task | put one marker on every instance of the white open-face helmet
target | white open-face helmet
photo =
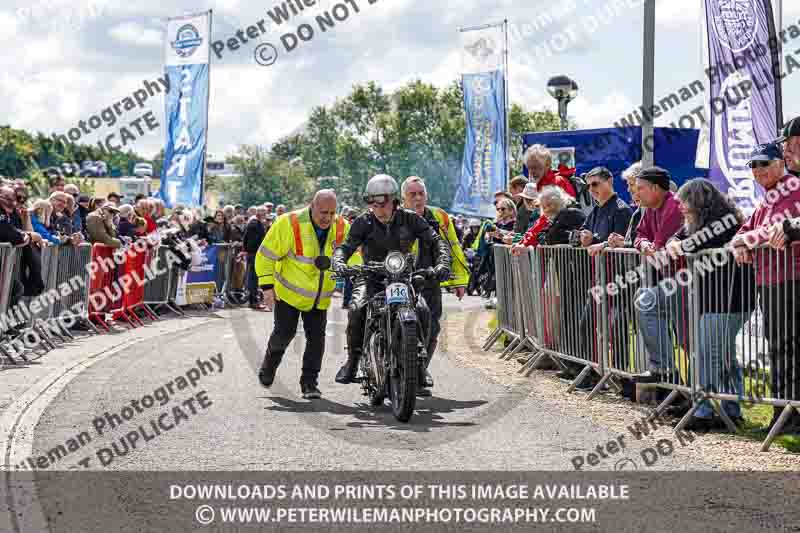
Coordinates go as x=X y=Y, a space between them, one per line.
x=381 y=185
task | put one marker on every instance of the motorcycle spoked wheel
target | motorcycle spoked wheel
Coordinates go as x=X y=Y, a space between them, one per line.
x=403 y=382
x=375 y=392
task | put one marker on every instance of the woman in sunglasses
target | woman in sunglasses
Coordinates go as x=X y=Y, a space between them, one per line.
x=504 y=223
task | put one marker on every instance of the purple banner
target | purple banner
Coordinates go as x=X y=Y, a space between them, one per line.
x=745 y=82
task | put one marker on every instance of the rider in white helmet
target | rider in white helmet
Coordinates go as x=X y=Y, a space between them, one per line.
x=384 y=228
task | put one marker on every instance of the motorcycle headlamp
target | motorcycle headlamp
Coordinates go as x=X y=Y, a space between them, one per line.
x=395 y=263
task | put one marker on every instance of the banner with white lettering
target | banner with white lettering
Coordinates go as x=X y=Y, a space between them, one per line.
x=186 y=65
x=745 y=76
x=484 y=165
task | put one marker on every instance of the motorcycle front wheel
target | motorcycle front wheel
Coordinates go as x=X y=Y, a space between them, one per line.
x=403 y=383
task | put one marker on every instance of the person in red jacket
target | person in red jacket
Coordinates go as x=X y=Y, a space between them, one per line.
x=539 y=163
x=143 y=210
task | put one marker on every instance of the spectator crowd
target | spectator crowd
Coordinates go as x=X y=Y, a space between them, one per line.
x=665 y=223
x=548 y=207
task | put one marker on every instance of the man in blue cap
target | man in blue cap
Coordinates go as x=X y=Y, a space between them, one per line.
x=777 y=274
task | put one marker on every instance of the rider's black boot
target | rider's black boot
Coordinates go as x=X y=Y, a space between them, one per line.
x=347 y=374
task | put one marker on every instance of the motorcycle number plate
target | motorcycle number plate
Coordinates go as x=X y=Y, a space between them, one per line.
x=397 y=293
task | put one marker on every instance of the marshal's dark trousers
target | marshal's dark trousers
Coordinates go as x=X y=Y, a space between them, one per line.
x=314 y=322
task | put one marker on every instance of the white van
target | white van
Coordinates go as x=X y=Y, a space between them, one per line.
x=143 y=169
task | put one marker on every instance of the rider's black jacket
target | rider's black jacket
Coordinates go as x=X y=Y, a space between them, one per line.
x=378 y=239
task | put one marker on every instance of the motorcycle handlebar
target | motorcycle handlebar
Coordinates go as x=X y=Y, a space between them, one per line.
x=377 y=268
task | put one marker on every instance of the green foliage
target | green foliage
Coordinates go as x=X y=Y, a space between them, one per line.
x=266 y=178
x=26 y=156
x=418 y=130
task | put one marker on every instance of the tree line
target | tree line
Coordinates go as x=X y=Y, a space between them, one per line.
x=417 y=130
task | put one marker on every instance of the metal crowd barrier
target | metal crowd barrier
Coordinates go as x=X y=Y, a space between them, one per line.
x=72 y=269
x=747 y=324
x=76 y=290
x=160 y=288
x=224 y=260
x=235 y=275
x=105 y=298
x=699 y=325
x=507 y=323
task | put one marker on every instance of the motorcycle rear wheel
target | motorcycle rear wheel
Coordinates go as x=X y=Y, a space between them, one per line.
x=403 y=383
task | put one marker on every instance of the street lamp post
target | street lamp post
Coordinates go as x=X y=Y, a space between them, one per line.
x=564 y=90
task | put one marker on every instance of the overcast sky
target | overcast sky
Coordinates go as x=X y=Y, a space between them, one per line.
x=65 y=60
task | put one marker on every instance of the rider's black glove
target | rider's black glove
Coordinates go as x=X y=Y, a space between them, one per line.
x=442 y=273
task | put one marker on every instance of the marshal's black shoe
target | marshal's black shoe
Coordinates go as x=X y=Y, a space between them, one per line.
x=267 y=373
x=310 y=392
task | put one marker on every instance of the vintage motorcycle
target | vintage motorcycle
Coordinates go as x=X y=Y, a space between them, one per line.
x=395 y=337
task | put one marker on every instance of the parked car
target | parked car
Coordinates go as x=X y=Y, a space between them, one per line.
x=52 y=172
x=141 y=170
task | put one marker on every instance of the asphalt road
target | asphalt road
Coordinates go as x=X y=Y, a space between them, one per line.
x=470 y=423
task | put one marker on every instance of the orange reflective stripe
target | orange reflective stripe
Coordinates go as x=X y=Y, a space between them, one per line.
x=298 y=239
x=339 y=230
x=446 y=218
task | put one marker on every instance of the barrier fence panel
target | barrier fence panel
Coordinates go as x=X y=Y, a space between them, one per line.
x=518 y=269
x=664 y=324
x=8 y=261
x=224 y=257
x=235 y=276
x=524 y=268
x=41 y=315
x=722 y=298
x=504 y=297
x=534 y=313
x=73 y=272
x=132 y=281
x=105 y=296
x=621 y=276
x=157 y=288
x=30 y=274
x=571 y=325
x=747 y=327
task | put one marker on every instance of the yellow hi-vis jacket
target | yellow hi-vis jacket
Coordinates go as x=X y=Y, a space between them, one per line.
x=286 y=260
x=459 y=269
x=477 y=242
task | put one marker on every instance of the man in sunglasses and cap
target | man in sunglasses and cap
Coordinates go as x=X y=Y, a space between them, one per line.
x=384 y=228
x=777 y=273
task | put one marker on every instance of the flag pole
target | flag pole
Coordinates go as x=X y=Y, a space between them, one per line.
x=507 y=121
x=208 y=103
x=648 y=81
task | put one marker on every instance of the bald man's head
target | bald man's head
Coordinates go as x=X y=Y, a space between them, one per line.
x=323 y=208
